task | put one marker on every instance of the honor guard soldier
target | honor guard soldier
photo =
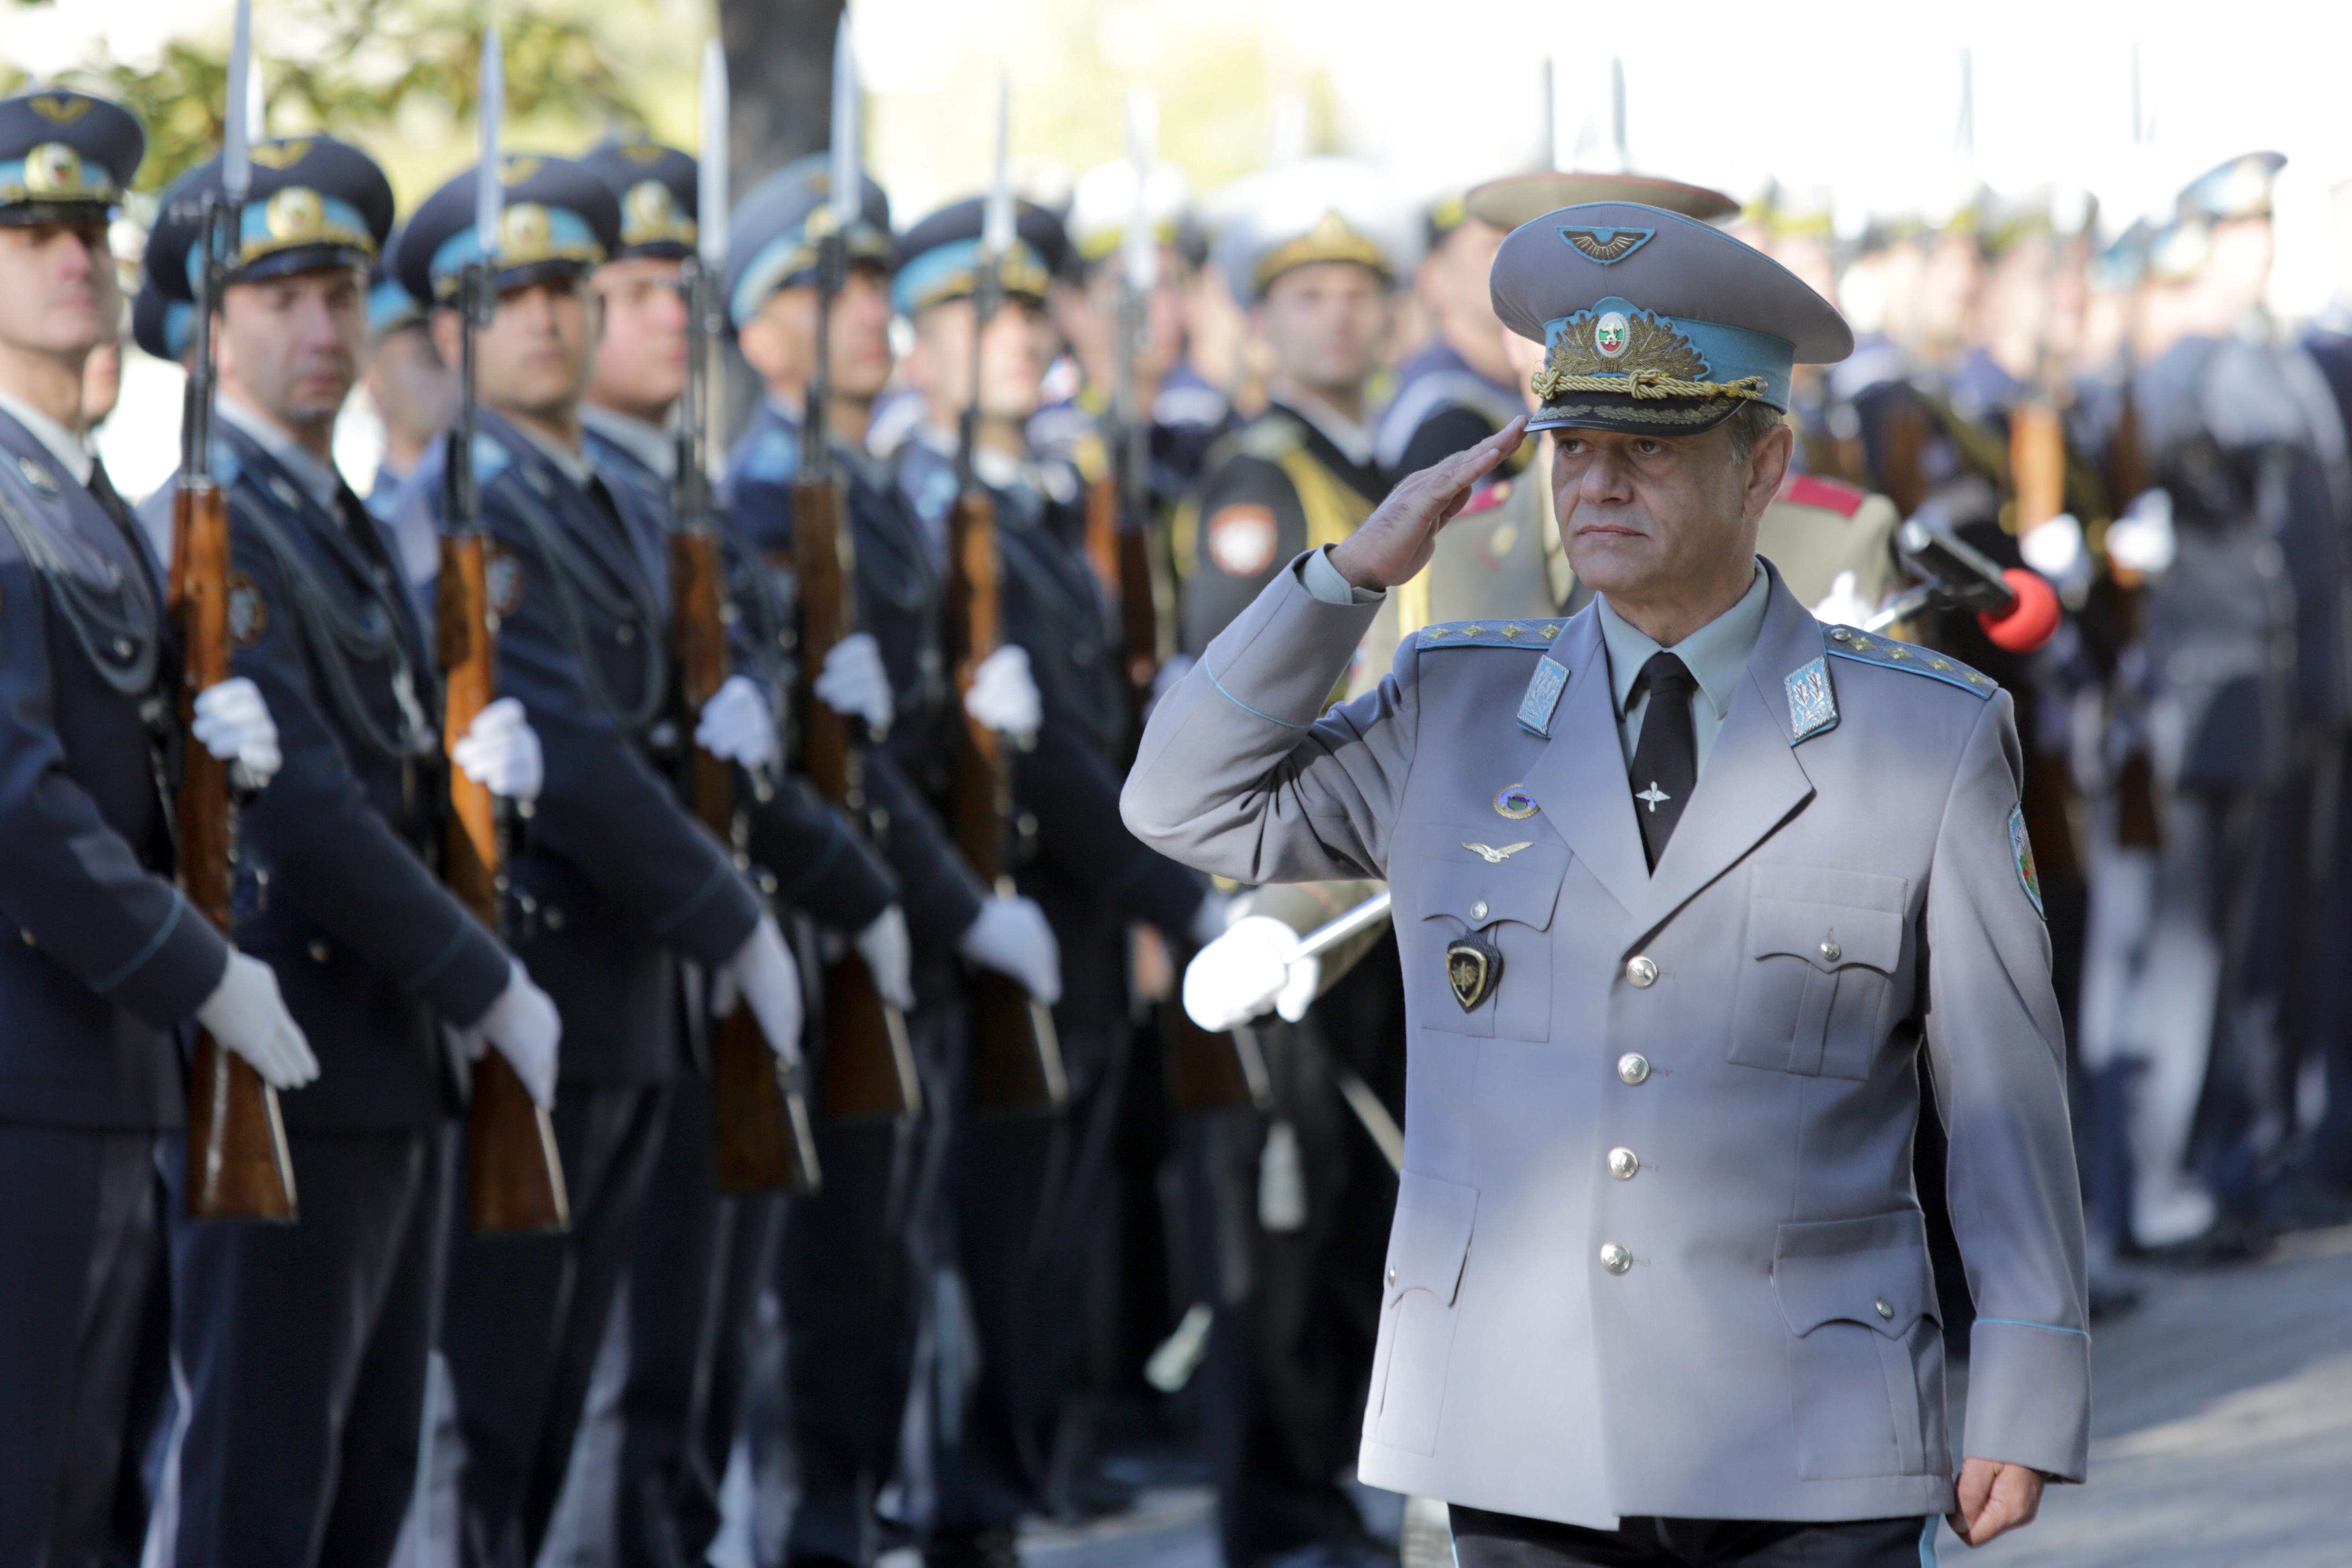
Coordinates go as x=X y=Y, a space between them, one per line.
x=617 y=881
x=1459 y=390
x=848 y=1269
x=1312 y=258
x=413 y=390
x=1020 y=1179
x=113 y=959
x=304 y=1346
x=696 y=1280
x=1665 y=1294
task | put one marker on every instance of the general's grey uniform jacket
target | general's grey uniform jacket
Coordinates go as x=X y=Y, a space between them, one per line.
x=1847 y=882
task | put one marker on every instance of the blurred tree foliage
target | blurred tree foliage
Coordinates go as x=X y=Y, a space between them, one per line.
x=358 y=65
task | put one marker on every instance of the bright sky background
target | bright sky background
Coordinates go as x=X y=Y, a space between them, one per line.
x=1863 y=97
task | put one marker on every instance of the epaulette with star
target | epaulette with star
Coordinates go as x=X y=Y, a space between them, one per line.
x=1870 y=648
x=1489 y=634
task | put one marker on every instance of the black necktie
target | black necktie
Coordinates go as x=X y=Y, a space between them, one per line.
x=126 y=523
x=1666 y=759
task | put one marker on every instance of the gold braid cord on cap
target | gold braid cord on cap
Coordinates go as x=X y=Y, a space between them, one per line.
x=1656 y=362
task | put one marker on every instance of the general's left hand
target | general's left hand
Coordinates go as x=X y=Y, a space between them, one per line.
x=1994 y=1498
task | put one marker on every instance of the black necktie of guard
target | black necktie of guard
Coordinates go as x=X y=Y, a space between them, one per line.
x=1666 y=759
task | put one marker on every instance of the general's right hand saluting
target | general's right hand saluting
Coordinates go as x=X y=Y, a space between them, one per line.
x=1397 y=540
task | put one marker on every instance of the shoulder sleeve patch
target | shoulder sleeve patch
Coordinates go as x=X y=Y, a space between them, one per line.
x=2021 y=850
x=1812 y=490
x=1535 y=634
x=1868 y=648
x=1242 y=539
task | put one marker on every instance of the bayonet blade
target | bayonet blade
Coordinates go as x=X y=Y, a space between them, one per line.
x=848 y=182
x=237 y=129
x=996 y=223
x=1142 y=152
x=711 y=173
x=490 y=181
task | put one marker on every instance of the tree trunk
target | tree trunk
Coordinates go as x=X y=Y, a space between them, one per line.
x=780 y=81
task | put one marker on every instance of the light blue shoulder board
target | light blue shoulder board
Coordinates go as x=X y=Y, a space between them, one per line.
x=1869 y=648
x=1489 y=634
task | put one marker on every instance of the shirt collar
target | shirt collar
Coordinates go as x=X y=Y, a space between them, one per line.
x=1715 y=654
x=72 y=457
x=650 y=444
x=319 y=480
x=571 y=463
x=1356 y=442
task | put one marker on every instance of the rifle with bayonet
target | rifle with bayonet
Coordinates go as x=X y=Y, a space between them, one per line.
x=514 y=1176
x=869 y=1063
x=762 y=1138
x=238 y=1162
x=1016 y=1058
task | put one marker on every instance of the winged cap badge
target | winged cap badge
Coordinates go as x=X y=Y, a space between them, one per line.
x=1607 y=247
x=1494 y=856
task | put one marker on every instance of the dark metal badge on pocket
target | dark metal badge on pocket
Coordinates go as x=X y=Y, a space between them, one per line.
x=1473 y=966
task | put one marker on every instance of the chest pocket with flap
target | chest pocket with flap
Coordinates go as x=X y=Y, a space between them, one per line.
x=1509 y=902
x=1824 y=951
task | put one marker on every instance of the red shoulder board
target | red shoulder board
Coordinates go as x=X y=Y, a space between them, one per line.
x=1812 y=490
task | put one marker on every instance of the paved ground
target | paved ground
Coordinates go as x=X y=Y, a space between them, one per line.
x=2222 y=1438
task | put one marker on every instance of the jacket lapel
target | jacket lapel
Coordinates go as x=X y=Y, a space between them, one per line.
x=1753 y=781
x=1579 y=779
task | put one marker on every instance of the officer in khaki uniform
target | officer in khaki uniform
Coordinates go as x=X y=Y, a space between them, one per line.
x=1658 y=1288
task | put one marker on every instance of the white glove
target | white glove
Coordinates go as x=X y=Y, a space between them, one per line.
x=739 y=726
x=247 y=1014
x=853 y=683
x=1010 y=936
x=1003 y=694
x=499 y=751
x=889 y=956
x=762 y=974
x=232 y=723
x=525 y=1027
x=1243 y=973
x=2054 y=548
x=1209 y=921
x=2141 y=540
x=1843 y=605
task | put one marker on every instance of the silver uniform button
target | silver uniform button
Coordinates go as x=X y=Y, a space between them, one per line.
x=1615 y=1259
x=1622 y=1163
x=1478 y=910
x=1392 y=1276
x=1634 y=1067
x=319 y=951
x=1885 y=1309
x=1832 y=951
x=1641 y=971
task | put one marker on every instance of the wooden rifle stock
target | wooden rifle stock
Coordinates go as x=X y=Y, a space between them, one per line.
x=1016 y=1058
x=514 y=1176
x=764 y=1143
x=237 y=1163
x=869 y=1062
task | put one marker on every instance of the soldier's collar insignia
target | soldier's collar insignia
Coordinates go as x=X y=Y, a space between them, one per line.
x=60 y=109
x=38 y=478
x=1541 y=698
x=1607 y=247
x=1812 y=701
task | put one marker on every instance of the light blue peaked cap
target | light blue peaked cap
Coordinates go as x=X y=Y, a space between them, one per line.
x=1656 y=323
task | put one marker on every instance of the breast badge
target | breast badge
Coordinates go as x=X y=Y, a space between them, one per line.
x=249 y=614
x=1473 y=966
x=1515 y=801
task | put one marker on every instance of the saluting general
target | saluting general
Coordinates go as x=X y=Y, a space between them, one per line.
x=1658 y=1289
